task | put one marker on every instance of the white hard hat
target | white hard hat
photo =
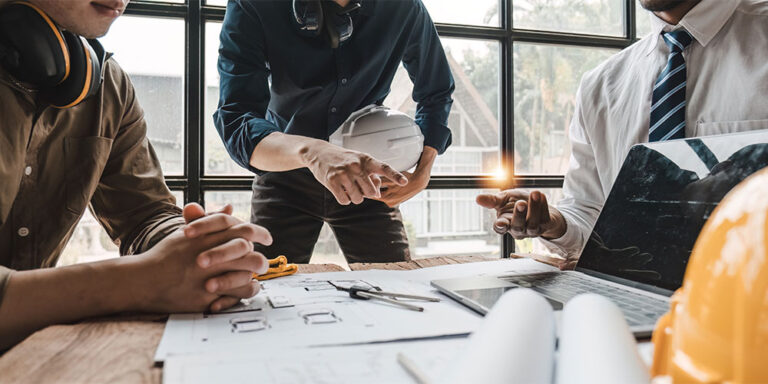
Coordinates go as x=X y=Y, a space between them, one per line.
x=387 y=135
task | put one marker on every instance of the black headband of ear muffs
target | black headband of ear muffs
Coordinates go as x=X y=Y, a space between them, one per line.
x=66 y=68
x=35 y=47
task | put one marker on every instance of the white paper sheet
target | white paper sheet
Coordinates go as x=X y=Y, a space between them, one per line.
x=371 y=364
x=284 y=324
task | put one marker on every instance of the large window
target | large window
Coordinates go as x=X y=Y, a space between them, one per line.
x=517 y=64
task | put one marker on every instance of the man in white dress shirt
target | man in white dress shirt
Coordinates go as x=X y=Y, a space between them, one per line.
x=702 y=71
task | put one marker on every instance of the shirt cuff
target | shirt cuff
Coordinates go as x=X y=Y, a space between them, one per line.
x=257 y=131
x=569 y=245
x=5 y=275
x=160 y=231
x=436 y=135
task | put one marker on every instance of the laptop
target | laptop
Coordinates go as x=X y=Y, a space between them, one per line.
x=640 y=245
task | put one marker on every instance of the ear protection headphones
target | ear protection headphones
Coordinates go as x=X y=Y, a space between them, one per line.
x=312 y=17
x=66 y=68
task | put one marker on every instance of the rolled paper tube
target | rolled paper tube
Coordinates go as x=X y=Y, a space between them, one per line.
x=596 y=345
x=514 y=344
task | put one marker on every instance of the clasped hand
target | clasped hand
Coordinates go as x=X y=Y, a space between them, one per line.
x=208 y=265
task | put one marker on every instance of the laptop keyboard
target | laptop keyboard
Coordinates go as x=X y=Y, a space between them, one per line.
x=638 y=309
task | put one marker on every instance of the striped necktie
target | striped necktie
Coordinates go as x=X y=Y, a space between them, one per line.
x=668 y=107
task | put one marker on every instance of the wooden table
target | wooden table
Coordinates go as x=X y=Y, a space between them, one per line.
x=121 y=348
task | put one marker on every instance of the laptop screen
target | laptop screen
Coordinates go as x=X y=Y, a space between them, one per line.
x=659 y=202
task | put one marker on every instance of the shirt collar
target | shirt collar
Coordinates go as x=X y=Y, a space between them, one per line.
x=703 y=21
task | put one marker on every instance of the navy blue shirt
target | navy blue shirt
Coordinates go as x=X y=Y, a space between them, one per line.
x=314 y=87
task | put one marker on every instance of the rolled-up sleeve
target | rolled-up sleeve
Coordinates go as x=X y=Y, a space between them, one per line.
x=244 y=86
x=5 y=275
x=132 y=201
x=583 y=195
x=433 y=83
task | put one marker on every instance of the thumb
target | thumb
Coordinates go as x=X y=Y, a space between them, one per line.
x=227 y=210
x=192 y=212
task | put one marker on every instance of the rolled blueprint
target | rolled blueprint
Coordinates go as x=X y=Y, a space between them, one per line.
x=596 y=345
x=514 y=344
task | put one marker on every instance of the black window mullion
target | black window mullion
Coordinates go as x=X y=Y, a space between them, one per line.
x=630 y=8
x=194 y=105
x=507 y=136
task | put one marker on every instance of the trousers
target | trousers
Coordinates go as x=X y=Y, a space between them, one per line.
x=293 y=206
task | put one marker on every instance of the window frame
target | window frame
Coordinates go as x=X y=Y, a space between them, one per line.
x=194 y=182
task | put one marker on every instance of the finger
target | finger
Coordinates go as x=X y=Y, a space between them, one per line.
x=210 y=224
x=192 y=212
x=338 y=190
x=487 y=200
x=245 y=291
x=253 y=262
x=534 y=217
x=503 y=200
x=353 y=191
x=367 y=187
x=232 y=249
x=223 y=303
x=501 y=225
x=546 y=218
x=383 y=169
x=247 y=231
x=228 y=281
x=517 y=224
x=377 y=182
x=504 y=221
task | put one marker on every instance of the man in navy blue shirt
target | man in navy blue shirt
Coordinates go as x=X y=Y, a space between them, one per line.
x=291 y=73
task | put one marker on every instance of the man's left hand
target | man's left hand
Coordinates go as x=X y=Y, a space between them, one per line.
x=393 y=194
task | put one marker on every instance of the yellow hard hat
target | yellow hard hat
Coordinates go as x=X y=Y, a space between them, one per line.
x=717 y=327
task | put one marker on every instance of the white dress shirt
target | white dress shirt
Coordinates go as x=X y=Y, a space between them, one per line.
x=726 y=91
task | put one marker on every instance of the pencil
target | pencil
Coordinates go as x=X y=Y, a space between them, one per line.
x=412 y=369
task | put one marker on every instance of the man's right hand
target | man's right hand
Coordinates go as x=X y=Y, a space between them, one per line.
x=208 y=272
x=350 y=176
x=524 y=214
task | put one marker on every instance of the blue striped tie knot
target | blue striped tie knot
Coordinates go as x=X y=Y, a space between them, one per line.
x=668 y=102
x=678 y=40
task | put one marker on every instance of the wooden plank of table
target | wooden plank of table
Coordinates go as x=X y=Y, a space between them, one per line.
x=419 y=263
x=110 y=349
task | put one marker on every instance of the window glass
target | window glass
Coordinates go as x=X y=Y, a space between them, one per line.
x=448 y=222
x=217 y=160
x=151 y=51
x=643 y=21
x=475 y=12
x=593 y=17
x=90 y=241
x=546 y=78
x=240 y=201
